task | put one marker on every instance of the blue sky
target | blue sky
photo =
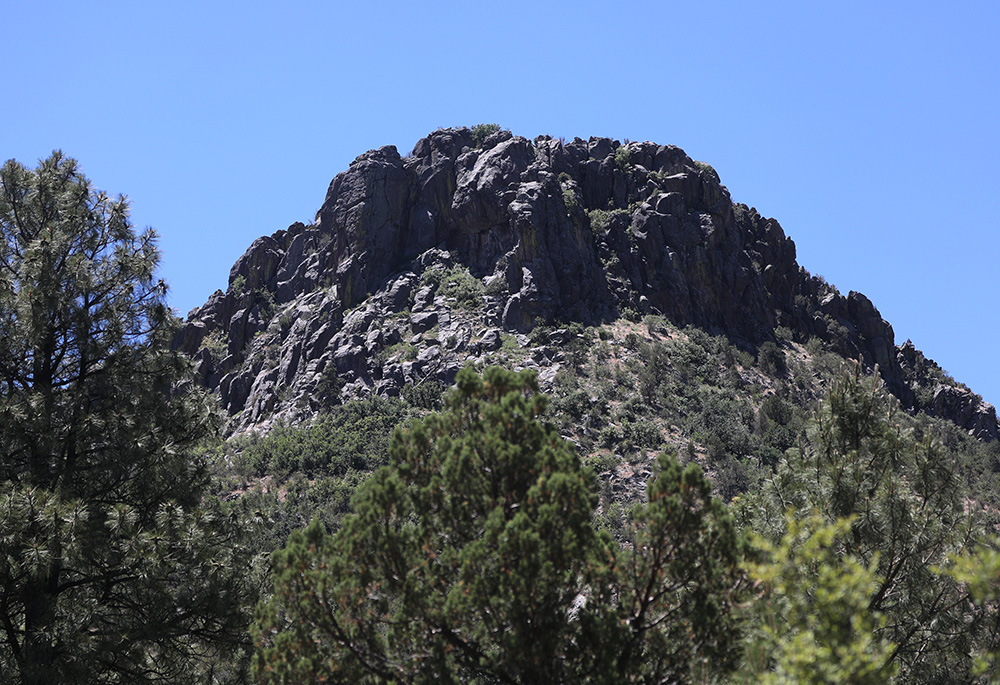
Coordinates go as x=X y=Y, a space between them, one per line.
x=869 y=130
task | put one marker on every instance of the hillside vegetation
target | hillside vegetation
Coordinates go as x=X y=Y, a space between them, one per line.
x=508 y=411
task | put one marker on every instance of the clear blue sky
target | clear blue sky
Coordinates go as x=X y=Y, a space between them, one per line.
x=869 y=130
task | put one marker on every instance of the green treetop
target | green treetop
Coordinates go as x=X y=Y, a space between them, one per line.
x=472 y=557
x=814 y=623
x=907 y=515
x=110 y=570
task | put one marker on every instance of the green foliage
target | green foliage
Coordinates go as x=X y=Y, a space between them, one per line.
x=602 y=463
x=707 y=168
x=113 y=568
x=508 y=343
x=426 y=395
x=623 y=158
x=779 y=424
x=657 y=325
x=473 y=557
x=907 y=512
x=679 y=580
x=652 y=371
x=979 y=570
x=469 y=543
x=497 y=285
x=815 y=621
x=456 y=282
x=216 y=344
x=264 y=299
x=351 y=437
x=642 y=433
x=570 y=199
x=287 y=506
x=695 y=358
x=480 y=132
x=630 y=314
x=329 y=386
x=771 y=359
x=575 y=403
x=611 y=437
x=402 y=349
x=727 y=419
x=600 y=219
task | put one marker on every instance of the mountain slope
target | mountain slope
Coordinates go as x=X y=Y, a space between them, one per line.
x=453 y=254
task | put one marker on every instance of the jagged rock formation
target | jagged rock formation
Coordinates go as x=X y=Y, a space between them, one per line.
x=417 y=265
x=939 y=395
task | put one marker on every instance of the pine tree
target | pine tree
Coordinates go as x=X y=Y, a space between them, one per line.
x=473 y=557
x=111 y=570
x=907 y=511
x=814 y=622
x=979 y=570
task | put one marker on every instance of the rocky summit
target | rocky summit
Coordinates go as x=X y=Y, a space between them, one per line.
x=418 y=265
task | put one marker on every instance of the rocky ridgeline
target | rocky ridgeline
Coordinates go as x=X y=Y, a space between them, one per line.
x=416 y=266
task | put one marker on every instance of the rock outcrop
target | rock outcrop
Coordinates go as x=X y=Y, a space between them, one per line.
x=416 y=265
x=939 y=395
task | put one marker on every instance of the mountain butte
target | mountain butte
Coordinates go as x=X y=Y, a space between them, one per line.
x=418 y=265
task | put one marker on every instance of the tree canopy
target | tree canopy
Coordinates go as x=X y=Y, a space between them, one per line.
x=813 y=615
x=111 y=568
x=907 y=514
x=473 y=557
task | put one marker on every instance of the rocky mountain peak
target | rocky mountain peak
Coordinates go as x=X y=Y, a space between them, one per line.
x=416 y=265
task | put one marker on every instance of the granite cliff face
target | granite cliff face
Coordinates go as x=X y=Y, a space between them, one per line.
x=418 y=265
